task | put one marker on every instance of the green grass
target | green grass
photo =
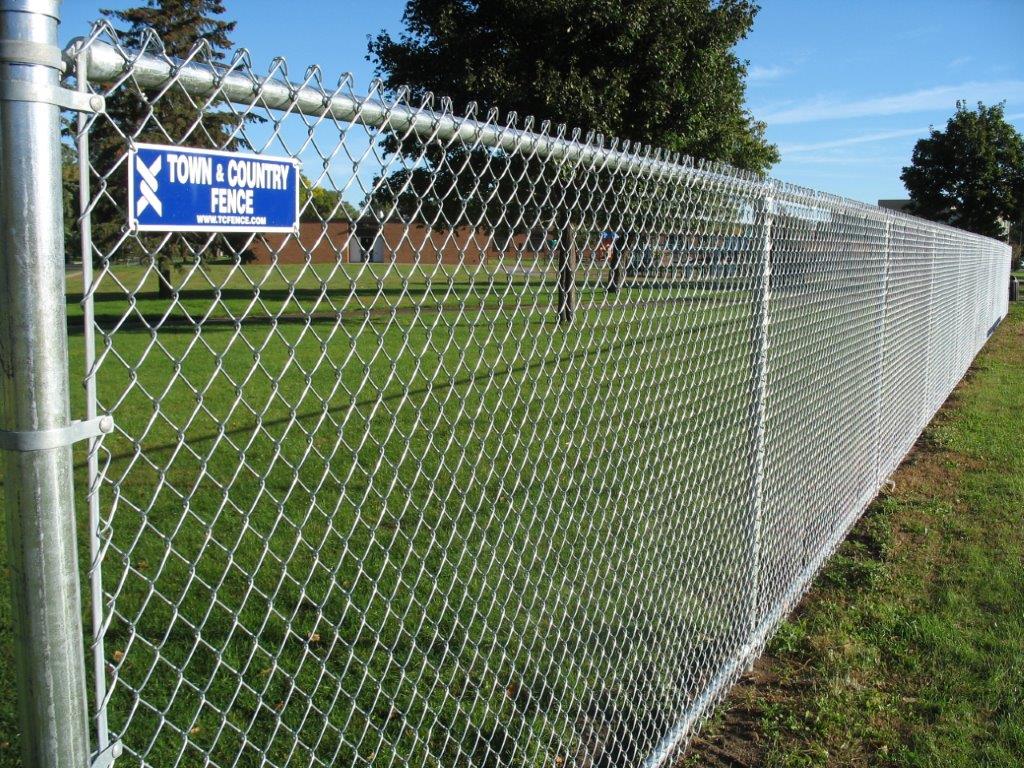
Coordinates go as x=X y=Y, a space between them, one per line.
x=910 y=649
x=289 y=291
x=402 y=515
x=318 y=519
x=228 y=290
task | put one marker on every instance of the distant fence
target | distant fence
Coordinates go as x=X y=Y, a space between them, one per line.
x=535 y=494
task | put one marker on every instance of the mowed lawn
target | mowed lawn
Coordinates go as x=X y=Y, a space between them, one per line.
x=909 y=651
x=352 y=516
x=127 y=295
x=221 y=291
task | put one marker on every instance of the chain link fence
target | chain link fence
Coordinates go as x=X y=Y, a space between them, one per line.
x=514 y=454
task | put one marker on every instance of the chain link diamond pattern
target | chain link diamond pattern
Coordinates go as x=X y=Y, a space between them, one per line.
x=515 y=456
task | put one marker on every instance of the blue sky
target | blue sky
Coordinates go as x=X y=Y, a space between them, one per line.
x=846 y=86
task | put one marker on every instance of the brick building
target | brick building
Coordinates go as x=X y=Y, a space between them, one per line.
x=326 y=242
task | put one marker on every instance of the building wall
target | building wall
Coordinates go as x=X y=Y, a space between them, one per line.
x=321 y=243
x=317 y=242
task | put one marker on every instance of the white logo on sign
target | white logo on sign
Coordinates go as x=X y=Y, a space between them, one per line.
x=149 y=185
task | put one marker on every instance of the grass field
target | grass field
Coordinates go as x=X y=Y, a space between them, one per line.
x=320 y=519
x=227 y=290
x=127 y=295
x=910 y=649
x=375 y=513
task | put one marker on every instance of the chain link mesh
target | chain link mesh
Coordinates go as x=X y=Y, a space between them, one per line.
x=515 y=455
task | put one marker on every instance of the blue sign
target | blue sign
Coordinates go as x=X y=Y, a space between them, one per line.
x=184 y=189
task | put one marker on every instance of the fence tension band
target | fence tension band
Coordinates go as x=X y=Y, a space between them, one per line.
x=44 y=439
x=27 y=52
x=49 y=8
x=76 y=101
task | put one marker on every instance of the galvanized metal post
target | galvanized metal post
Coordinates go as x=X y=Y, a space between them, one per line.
x=759 y=377
x=38 y=492
x=929 y=347
x=880 y=330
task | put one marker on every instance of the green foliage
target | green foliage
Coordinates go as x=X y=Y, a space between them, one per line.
x=179 y=23
x=69 y=202
x=970 y=175
x=321 y=204
x=661 y=72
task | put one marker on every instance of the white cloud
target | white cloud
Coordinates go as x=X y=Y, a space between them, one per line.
x=842 y=159
x=942 y=97
x=759 y=74
x=799 y=152
x=864 y=138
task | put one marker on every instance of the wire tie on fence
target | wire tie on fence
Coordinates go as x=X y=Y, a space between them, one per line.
x=44 y=439
x=49 y=8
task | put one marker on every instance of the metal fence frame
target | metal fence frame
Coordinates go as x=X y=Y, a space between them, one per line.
x=37 y=431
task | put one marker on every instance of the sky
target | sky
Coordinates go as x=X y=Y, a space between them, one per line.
x=846 y=87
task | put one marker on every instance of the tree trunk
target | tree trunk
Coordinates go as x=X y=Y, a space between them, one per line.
x=166 y=291
x=566 y=275
x=615 y=264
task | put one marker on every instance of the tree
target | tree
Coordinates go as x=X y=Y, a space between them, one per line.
x=69 y=202
x=659 y=72
x=171 y=117
x=318 y=203
x=971 y=175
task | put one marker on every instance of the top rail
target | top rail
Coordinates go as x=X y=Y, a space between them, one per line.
x=105 y=63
